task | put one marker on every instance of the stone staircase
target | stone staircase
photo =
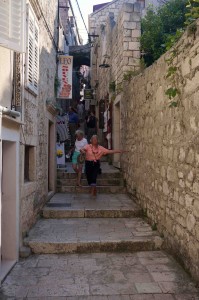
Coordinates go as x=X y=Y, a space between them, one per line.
x=76 y=223
x=107 y=182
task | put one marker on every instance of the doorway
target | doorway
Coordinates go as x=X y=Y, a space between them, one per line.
x=9 y=208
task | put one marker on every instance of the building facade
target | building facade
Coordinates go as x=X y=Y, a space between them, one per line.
x=115 y=30
x=27 y=140
x=32 y=35
x=161 y=165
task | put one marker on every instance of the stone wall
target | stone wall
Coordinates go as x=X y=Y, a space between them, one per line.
x=99 y=18
x=161 y=168
x=37 y=120
x=117 y=46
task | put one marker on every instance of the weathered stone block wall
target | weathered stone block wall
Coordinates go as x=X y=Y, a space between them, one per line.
x=36 y=119
x=117 y=46
x=161 y=168
x=99 y=18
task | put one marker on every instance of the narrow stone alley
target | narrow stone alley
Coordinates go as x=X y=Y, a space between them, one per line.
x=99 y=150
x=103 y=248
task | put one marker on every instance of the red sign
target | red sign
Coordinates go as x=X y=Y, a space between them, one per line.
x=65 y=71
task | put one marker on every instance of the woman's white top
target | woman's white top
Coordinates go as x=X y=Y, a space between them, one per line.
x=80 y=144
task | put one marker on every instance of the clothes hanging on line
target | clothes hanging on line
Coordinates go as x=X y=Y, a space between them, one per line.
x=63 y=128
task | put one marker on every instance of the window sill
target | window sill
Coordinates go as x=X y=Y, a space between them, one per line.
x=31 y=92
x=12 y=120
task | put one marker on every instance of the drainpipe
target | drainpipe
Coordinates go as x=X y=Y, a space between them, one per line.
x=9 y=112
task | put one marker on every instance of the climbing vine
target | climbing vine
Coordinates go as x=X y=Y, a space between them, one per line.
x=172 y=72
x=127 y=76
x=193 y=11
x=172 y=91
x=57 y=84
x=112 y=86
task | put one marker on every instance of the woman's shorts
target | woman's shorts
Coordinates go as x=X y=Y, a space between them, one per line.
x=74 y=157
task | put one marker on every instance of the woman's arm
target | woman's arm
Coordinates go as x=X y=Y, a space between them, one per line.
x=107 y=151
x=84 y=149
x=114 y=151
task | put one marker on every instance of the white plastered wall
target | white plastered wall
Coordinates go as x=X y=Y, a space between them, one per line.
x=9 y=169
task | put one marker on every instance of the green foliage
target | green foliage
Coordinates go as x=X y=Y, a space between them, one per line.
x=192 y=11
x=171 y=39
x=173 y=104
x=119 y=88
x=171 y=71
x=129 y=74
x=57 y=84
x=172 y=92
x=161 y=28
x=112 y=86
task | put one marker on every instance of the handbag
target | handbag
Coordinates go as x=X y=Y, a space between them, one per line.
x=81 y=158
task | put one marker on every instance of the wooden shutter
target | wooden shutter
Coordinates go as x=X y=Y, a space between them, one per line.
x=32 y=64
x=12 y=24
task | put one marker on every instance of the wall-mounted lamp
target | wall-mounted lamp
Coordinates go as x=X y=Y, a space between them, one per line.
x=92 y=36
x=106 y=56
x=104 y=66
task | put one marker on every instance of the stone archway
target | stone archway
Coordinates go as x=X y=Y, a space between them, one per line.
x=81 y=55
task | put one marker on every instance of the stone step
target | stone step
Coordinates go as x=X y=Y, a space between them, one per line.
x=100 y=182
x=85 y=189
x=67 y=175
x=83 y=206
x=84 y=235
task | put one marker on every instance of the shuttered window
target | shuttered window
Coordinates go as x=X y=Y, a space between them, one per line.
x=12 y=24
x=32 y=65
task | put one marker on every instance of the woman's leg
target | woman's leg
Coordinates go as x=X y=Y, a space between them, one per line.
x=91 y=169
x=95 y=171
x=75 y=168
x=88 y=171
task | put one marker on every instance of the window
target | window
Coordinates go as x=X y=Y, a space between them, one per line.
x=32 y=65
x=29 y=163
x=12 y=23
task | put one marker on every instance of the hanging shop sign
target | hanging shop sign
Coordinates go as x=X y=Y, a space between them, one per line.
x=88 y=94
x=65 y=75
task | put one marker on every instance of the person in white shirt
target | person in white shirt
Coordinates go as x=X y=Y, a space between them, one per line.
x=80 y=143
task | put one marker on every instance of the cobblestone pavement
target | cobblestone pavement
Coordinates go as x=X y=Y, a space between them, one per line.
x=150 y=275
